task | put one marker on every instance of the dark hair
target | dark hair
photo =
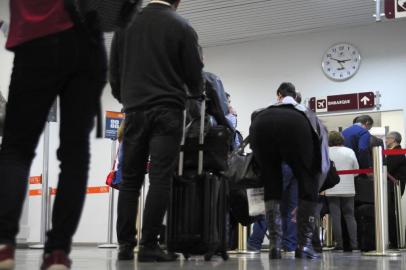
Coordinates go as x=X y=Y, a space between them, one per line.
x=298 y=97
x=365 y=120
x=396 y=136
x=286 y=89
x=335 y=138
x=355 y=120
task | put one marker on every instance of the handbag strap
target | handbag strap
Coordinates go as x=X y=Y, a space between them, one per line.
x=242 y=146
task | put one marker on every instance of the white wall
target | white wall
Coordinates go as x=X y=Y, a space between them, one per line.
x=251 y=72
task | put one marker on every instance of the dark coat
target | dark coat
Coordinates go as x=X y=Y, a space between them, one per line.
x=397 y=168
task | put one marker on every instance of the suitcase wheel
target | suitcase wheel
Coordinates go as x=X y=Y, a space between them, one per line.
x=186 y=256
x=225 y=256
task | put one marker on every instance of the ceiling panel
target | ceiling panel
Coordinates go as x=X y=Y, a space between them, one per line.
x=221 y=22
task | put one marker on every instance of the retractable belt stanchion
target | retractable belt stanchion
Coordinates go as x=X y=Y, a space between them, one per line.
x=140 y=216
x=399 y=221
x=380 y=197
x=109 y=243
x=242 y=242
x=45 y=194
x=328 y=241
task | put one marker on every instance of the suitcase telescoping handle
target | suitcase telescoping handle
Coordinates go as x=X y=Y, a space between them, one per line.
x=201 y=137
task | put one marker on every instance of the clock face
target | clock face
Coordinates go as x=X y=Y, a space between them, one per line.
x=341 y=62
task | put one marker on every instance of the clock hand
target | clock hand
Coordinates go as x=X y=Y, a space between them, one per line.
x=340 y=61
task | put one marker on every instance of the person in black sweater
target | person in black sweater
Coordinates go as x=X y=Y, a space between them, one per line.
x=397 y=171
x=155 y=64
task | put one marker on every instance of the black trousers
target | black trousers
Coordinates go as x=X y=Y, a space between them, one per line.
x=284 y=135
x=73 y=67
x=157 y=133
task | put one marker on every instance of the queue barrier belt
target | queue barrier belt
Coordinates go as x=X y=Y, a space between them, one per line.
x=394 y=152
x=362 y=171
x=90 y=190
x=105 y=189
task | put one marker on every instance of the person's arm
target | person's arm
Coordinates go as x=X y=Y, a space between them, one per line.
x=115 y=65
x=364 y=155
x=192 y=62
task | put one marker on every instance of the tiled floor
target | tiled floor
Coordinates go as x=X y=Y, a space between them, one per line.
x=93 y=258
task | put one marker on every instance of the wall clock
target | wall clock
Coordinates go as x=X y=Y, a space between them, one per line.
x=341 y=62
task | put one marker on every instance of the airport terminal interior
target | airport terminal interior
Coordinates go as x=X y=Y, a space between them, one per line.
x=346 y=58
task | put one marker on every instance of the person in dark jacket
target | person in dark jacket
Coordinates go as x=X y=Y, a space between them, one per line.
x=288 y=132
x=397 y=169
x=155 y=63
x=358 y=138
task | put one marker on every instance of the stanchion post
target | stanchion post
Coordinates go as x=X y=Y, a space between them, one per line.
x=242 y=242
x=45 y=211
x=109 y=243
x=328 y=243
x=399 y=220
x=380 y=196
x=140 y=216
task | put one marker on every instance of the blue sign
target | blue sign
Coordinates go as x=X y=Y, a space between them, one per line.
x=113 y=122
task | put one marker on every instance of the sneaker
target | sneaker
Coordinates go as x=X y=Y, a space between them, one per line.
x=155 y=254
x=57 y=260
x=126 y=252
x=7 y=257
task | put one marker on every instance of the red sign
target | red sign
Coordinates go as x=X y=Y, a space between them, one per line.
x=395 y=9
x=366 y=100
x=343 y=102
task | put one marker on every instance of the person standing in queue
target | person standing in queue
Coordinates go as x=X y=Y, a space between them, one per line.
x=53 y=57
x=397 y=171
x=288 y=133
x=154 y=63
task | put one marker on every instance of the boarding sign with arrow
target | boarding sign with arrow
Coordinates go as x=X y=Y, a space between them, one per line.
x=346 y=102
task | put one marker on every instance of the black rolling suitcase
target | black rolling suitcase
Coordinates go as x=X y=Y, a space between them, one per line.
x=198 y=212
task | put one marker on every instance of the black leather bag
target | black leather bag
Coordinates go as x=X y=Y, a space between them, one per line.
x=216 y=148
x=332 y=178
x=243 y=172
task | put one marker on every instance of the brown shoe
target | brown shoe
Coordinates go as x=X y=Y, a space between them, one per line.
x=57 y=260
x=7 y=257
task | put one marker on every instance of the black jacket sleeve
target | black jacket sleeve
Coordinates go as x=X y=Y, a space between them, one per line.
x=192 y=62
x=115 y=71
x=397 y=167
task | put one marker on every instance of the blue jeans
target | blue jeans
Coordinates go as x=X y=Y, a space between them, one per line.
x=288 y=204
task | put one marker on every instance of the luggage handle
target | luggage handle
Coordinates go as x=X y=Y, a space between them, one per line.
x=201 y=136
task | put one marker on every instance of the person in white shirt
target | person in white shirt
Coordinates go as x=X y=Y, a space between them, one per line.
x=341 y=197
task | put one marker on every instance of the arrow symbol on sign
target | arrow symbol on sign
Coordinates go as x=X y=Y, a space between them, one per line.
x=365 y=100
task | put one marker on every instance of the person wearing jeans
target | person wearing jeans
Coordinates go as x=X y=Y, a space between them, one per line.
x=61 y=61
x=288 y=206
x=151 y=64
